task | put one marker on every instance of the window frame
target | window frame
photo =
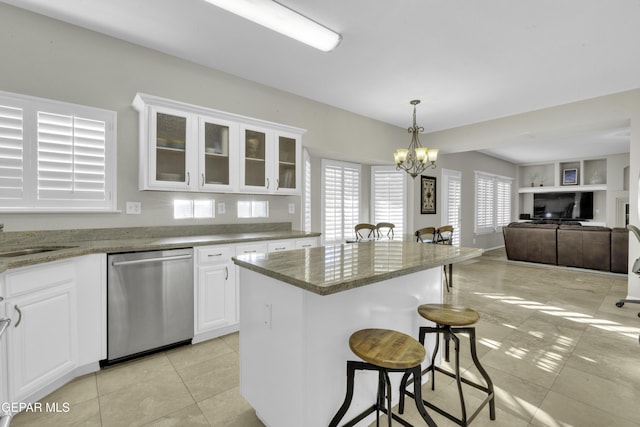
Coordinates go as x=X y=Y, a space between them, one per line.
x=30 y=201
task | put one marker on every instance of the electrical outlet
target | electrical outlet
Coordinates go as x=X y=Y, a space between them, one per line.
x=292 y=208
x=221 y=208
x=133 y=208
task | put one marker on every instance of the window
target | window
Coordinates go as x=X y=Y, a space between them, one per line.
x=388 y=190
x=306 y=192
x=493 y=202
x=55 y=156
x=253 y=209
x=452 y=201
x=340 y=200
x=183 y=209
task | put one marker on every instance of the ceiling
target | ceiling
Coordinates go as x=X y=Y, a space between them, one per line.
x=467 y=61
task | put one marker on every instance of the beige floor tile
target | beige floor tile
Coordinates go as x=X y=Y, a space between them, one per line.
x=596 y=392
x=145 y=401
x=561 y=411
x=185 y=356
x=78 y=390
x=211 y=377
x=233 y=340
x=191 y=416
x=85 y=413
x=229 y=409
x=133 y=372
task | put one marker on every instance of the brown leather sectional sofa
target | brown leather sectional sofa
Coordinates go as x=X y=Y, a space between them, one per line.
x=568 y=244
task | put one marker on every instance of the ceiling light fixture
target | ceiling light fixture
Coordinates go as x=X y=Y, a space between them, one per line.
x=416 y=158
x=286 y=21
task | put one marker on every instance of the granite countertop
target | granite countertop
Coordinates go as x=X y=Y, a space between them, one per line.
x=69 y=245
x=330 y=269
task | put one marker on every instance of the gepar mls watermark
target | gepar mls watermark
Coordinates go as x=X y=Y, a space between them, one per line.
x=14 y=407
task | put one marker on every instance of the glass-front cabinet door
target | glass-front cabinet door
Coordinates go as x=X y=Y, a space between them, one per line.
x=287 y=152
x=169 y=148
x=255 y=155
x=218 y=154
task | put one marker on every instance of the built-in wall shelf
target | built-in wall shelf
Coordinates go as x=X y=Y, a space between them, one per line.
x=563 y=188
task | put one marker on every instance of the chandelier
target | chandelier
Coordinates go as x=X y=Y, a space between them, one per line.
x=415 y=159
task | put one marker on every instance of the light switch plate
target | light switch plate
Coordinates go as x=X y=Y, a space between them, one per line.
x=292 y=208
x=133 y=208
x=221 y=208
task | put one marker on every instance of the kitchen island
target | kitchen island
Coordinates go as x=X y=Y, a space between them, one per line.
x=298 y=309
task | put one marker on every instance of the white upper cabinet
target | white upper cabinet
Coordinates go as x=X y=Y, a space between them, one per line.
x=184 y=147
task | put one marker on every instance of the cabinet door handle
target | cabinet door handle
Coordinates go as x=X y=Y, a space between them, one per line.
x=19 y=315
x=220 y=254
x=267 y=183
x=280 y=249
x=188 y=178
x=277 y=183
x=203 y=179
x=306 y=246
x=250 y=252
x=226 y=272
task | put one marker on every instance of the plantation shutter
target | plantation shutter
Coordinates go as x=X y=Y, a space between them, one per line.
x=452 y=202
x=484 y=203
x=341 y=200
x=56 y=156
x=307 y=191
x=503 y=202
x=493 y=202
x=11 y=152
x=71 y=158
x=388 y=189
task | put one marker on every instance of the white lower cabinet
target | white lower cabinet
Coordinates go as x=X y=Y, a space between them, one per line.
x=48 y=327
x=216 y=292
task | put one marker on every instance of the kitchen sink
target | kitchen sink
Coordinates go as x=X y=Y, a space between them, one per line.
x=31 y=251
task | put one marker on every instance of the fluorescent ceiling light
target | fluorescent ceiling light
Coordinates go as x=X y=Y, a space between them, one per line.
x=280 y=18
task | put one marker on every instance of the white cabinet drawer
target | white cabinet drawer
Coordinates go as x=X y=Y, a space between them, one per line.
x=281 y=245
x=251 y=248
x=28 y=279
x=310 y=242
x=214 y=254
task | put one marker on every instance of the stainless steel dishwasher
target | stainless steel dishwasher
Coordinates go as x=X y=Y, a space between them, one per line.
x=149 y=302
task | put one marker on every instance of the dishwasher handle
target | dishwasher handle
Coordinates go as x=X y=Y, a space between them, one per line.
x=147 y=260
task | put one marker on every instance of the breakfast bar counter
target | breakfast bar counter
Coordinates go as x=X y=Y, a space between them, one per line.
x=298 y=309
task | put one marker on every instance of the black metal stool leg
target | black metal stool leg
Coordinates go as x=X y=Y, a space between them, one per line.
x=485 y=375
x=456 y=341
x=417 y=391
x=348 y=397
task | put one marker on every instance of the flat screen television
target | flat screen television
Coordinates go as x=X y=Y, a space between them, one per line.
x=565 y=205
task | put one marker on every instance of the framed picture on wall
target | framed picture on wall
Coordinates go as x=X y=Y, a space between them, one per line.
x=570 y=177
x=428 y=195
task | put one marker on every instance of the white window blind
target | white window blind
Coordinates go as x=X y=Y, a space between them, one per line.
x=452 y=200
x=388 y=190
x=55 y=156
x=11 y=153
x=493 y=202
x=307 y=191
x=340 y=200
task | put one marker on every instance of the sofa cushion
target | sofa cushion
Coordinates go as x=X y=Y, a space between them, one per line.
x=619 y=250
x=530 y=242
x=584 y=247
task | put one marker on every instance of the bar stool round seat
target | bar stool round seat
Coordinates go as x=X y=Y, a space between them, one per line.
x=387 y=348
x=450 y=321
x=385 y=351
x=449 y=314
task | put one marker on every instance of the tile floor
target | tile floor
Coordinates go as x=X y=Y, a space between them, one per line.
x=557 y=349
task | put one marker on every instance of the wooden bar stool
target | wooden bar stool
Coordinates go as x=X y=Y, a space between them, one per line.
x=451 y=320
x=384 y=351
